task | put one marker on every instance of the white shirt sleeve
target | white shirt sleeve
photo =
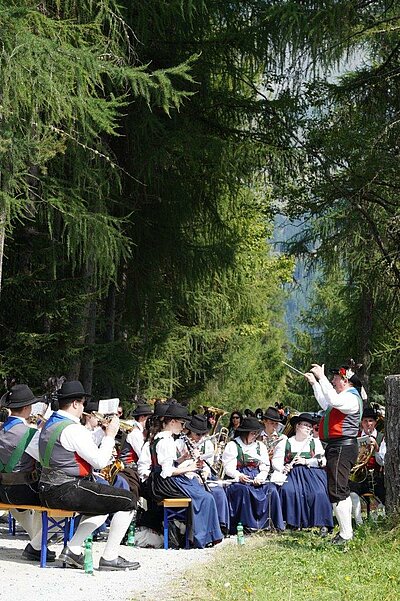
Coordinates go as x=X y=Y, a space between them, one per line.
x=208 y=454
x=380 y=455
x=136 y=440
x=345 y=401
x=144 y=462
x=319 y=450
x=229 y=461
x=278 y=457
x=166 y=455
x=77 y=438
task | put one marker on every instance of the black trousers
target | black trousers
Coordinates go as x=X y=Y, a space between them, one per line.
x=20 y=494
x=87 y=497
x=339 y=461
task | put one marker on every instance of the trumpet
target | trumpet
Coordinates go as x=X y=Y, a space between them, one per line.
x=36 y=419
x=104 y=420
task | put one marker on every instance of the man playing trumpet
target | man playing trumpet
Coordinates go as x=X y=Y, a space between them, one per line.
x=68 y=454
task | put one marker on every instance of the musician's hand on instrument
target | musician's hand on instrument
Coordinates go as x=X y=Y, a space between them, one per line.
x=192 y=467
x=258 y=480
x=311 y=379
x=112 y=427
x=300 y=461
x=318 y=370
x=287 y=468
x=244 y=479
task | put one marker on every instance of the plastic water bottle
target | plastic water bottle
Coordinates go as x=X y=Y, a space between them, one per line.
x=240 y=534
x=131 y=534
x=88 y=557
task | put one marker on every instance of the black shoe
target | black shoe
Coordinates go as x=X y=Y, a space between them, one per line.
x=71 y=559
x=117 y=564
x=33 y=555
x=338 y=540
x=100 y=537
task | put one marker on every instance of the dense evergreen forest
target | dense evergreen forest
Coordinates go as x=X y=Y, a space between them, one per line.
x=145 y=150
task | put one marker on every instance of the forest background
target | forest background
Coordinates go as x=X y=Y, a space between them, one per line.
x=146 y=150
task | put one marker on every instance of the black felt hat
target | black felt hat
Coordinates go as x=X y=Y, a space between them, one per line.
x=369 y=412
x=272 y=414
x=142 y=409
x=177 y=411
x=303 y=417
x=90 y=406
x=72 y=390
x=18 y=396
x=198 y=424
x=249 y=424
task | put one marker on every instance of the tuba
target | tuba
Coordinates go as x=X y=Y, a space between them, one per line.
x=359 y=471
x=220 y=444
x=217 y=413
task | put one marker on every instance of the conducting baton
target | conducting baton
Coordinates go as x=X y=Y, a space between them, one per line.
x=293 y=368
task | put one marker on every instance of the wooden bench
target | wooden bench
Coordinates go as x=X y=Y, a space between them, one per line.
x=176 y=508
x=57 y=519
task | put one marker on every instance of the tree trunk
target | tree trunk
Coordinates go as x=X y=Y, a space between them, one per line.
x=2 y=240
x=392 y=437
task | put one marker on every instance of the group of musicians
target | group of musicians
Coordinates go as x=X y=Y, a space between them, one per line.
x=265 y=481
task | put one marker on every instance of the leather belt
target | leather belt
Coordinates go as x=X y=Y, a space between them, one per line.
x=341 y=442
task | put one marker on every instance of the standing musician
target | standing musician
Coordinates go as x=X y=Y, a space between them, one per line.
x=203 y=450
x=18 y=477
x=373 y=482
x=339 y=429
x=270 y=436
x=304 y=495
x=68 y=455
x=252 y=500
x=169 y=481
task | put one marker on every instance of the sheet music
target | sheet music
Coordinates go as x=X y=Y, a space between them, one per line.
x=108 y=406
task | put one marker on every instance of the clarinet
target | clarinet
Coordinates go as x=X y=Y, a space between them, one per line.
x=191 y=450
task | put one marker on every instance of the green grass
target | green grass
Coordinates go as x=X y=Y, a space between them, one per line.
x=301 y=566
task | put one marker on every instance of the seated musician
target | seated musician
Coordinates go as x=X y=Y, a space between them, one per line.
x=270 y=436
x=203 y=450
x=372 y=481
x=131 y=445
x=68 y=455
x=19 y=479
x=304 y=495
x=169 y=481
x=252 y=500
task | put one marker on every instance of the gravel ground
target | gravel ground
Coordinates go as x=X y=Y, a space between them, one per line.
x=159 y=569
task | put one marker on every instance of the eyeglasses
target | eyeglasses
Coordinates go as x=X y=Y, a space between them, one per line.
x=235 y=417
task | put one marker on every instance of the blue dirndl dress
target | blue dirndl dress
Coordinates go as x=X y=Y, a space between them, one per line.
x=205 y=527
x=304 y=496
x=256 y=507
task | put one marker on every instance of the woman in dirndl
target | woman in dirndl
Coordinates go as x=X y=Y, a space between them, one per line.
x=304 y=495
x=167 y=480
x=252 y=500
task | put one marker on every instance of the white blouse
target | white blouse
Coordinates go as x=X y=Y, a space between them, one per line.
x=229 y=458
x=166 y=453
x=297 y=446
